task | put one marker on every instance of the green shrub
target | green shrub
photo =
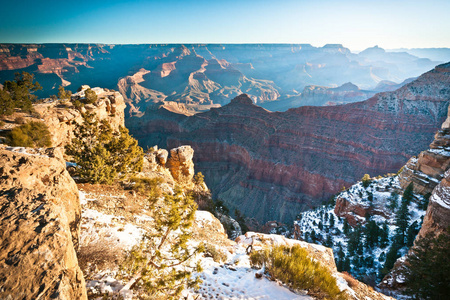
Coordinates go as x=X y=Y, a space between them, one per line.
x=32 y=134
x=18 y=93
x=217 y=255
x=103 y=154
x=161 y=264
x=366 y=180
x=199 y=178
x=148 y=186
x=63 y=94
x=77 y=104
x=295 y=268
x=90 y=96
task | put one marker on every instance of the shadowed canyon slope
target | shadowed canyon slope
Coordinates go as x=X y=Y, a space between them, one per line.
x=274 y=165
x=205 y=75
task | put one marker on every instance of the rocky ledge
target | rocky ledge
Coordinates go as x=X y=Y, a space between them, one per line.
x=39 y=225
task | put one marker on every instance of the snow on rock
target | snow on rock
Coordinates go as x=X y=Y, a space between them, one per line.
x=445 y=203
x=325 y=226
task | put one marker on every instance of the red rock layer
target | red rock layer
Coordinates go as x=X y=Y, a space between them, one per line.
x=273 y=165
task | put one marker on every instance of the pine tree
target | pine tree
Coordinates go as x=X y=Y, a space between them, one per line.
x=426 y=276
x=102 y=154
x=18 y=93
x=391 y=257
x=345 y=227
x=408 y=194
x=411 y=233
x=328 y=241
x=371 y=232
x=340 y=258
x=161 y=263
x=384 y=235
x=63 y=94
x=331 y=221
x=393 y=201
x=241 y=220
x=354 y=241
x=401 y=220
x=347 y=265
x=423 y=205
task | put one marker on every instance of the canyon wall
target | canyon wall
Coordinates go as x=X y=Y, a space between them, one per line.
x=202 y=75
x=273 y=165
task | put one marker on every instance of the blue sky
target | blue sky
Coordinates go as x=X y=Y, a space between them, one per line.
x=356 y=24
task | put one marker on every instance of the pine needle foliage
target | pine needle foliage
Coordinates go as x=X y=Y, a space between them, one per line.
x=31 y=134
x=63 y=94
x=294 y=267
x=427 y=274
x=18 y=93
x=102 y=154
x=162 y=262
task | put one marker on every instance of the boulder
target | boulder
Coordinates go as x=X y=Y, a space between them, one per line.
x=40 y=226
x=181 y=165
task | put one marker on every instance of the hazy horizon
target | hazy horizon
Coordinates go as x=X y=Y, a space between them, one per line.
x=355 y=25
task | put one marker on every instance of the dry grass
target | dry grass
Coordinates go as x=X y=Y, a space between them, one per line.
x=98 y=256
x=352 y=282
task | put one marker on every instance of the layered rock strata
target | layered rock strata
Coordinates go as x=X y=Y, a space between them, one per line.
x=273 y=165
x=427 y=170
x=39 y=225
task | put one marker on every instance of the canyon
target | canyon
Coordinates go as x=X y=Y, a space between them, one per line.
x=209 y=75
x=273 y=165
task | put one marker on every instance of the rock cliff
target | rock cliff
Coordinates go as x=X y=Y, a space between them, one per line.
x=272 y=166
x=61 y=117
x=40 y=226
x=201 y=73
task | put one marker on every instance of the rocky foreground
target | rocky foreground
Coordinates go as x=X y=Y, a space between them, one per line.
x=43 y=224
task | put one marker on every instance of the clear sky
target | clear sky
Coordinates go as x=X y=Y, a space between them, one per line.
x=356 y=24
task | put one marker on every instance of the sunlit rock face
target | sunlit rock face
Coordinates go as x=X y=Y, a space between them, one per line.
x=40 y=226
x=272 y=165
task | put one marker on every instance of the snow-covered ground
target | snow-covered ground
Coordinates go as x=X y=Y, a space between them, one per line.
x=236 y=280
x=323 y=226
x=233 y=279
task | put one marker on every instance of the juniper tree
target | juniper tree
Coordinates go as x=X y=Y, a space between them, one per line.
x=63 y=94
x=90 y=96
x=18 y=93
x=31 y=134
x=103 y=154
x=161 y=263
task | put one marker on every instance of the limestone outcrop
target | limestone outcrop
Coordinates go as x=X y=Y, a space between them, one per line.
x=39 y=225
x=437 y=218
x=61 y=117
x=181 y=165
x=427 y=170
